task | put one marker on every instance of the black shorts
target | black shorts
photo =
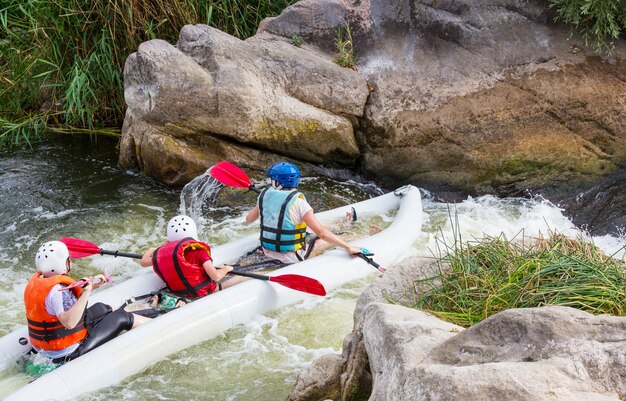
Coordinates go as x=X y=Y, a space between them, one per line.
x=103 y=324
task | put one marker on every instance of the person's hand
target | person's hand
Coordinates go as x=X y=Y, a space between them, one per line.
x=354 y=250
x=225 y=269
x=98 y=280
x=88 y=285
x=146 y=258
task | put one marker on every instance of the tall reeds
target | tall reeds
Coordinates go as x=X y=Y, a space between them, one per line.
x=61 y=61
x=478 y=279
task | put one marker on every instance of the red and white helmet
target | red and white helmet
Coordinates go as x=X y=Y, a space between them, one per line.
x=180 y=227
x=51 y=258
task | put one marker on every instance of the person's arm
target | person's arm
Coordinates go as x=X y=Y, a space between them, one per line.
x=71 y=317
x=313 y=223
x=253 y=215
x=146 y=258
x=213 y=273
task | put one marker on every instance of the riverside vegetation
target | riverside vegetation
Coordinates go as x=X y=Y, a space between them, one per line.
x=62 y=61
x=481 y=278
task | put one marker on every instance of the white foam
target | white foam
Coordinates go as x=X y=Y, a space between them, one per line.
x=266 y=354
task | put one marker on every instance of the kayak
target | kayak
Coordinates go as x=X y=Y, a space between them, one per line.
x=206 y=318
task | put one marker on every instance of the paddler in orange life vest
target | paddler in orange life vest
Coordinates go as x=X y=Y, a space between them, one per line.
x=60 y=325
x=184 y=263
x=286 y=217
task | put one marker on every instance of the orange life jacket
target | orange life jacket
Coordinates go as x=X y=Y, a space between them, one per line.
x=46 y=332
x=182 y=278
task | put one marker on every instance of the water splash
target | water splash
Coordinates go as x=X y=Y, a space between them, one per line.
x=198 y=194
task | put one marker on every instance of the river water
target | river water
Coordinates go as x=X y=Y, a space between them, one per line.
x=72 y=187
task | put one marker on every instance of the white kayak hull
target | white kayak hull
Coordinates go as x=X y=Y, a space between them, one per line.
x=210 y=316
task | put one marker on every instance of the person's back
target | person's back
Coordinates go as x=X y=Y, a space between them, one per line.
x=183 y=263
x=180 y=265
x=282 y=226
x=60 y=325
x=286 y=216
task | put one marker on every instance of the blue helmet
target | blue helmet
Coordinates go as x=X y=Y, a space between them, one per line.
x=286 y=174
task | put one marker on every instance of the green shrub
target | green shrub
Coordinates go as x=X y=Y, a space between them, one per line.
x=599 y=21
x=296 y=40
x=62 y=61
x=478 y=279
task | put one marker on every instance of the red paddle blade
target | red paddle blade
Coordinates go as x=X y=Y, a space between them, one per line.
x=80 y=248
x=300 y=283
x=229 y=174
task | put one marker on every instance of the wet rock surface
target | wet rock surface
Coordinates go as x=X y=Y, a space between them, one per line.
x=461 y=98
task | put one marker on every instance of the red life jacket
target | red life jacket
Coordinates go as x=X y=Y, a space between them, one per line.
x=46 y=332
x=182 y=278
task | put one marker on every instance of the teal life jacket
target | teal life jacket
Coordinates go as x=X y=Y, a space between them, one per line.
x=278 y=232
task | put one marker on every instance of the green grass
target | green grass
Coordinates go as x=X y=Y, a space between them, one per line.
x=478 y=279
x=62 y=61
x=296 y=40
x=346 y=57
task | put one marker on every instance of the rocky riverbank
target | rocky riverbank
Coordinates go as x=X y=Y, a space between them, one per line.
x=456 y=97
x=398 y=353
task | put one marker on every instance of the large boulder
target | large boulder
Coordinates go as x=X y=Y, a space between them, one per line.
x=476 y=97
x=213 y=95
x=526 y=354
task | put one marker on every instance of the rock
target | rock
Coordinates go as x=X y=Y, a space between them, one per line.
x=460 y=97
x=315 y=23
x=325 y=371
x=176 y=161
x=534 y=354
x=212 y=92
x=523 y=354
x=395 y=284
x=474 y=98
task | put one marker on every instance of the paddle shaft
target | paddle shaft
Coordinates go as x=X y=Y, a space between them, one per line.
x=137 y=256
x=251 y=275
x=120 y=254
x=255 y=189
x=369 y=260
x=295 y=282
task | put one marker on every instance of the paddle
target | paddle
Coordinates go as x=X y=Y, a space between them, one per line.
x=231 y=175
x=80 y=248
x=293 y=281
x=83 y=282
x=365 y=256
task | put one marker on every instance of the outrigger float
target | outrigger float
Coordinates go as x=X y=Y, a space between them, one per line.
x=206 y=318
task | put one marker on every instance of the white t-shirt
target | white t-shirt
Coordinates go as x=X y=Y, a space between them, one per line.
x=58 y=302
x=299 y=208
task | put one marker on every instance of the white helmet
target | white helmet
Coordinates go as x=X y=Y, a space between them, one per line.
x=181 y=227
x=51 y=258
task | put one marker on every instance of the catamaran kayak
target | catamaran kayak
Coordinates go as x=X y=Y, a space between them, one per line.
x=210 y=316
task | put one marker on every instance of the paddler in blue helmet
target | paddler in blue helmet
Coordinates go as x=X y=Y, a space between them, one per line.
x=286 y=217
